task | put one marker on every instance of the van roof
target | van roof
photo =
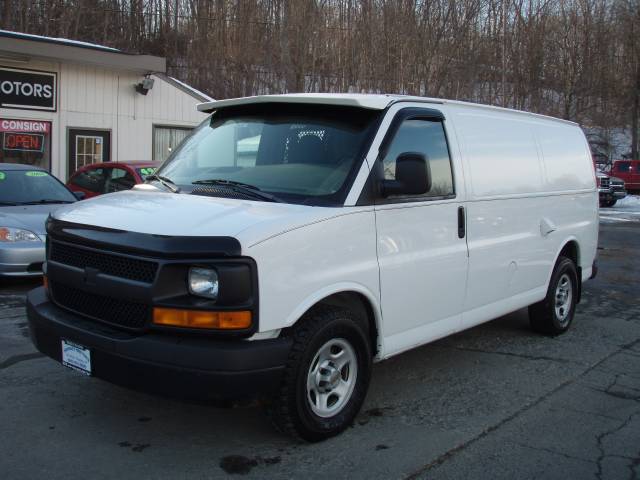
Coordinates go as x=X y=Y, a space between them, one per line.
x=360 y=100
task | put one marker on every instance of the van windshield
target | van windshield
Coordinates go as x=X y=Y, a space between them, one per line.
x=297 y=153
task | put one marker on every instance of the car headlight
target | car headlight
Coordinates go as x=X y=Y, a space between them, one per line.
x=203 y=282
x=10 y=234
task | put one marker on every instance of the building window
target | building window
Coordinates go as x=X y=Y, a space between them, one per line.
x=166 y=139
x=88 y=150
x=25 y=141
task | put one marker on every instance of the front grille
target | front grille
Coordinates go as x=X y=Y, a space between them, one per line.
x=123 y=313
x=604 y=182
x=110 y=264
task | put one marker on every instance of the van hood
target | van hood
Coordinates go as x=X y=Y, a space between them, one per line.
x=163 y=213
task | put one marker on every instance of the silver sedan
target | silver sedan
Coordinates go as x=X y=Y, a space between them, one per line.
x=27 y=196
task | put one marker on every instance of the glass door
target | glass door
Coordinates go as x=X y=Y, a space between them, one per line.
x=87 y=147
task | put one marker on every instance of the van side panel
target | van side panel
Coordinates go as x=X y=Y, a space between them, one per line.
x=567 y=160
x=516 y=222
x=502 y=156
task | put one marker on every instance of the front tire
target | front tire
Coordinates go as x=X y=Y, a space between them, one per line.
x=326 y=377
x=554 y=314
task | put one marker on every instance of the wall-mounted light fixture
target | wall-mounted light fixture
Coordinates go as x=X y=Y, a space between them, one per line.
x=143 y=87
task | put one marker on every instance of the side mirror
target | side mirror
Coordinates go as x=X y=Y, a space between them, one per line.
x=79 y=195
x=413 y=176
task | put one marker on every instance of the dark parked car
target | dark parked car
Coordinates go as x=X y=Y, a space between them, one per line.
x=109 y=177
x=27 y=195
x=610 y=189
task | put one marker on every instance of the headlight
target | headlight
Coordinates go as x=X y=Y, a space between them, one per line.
x=10 y=234
x=203 y=282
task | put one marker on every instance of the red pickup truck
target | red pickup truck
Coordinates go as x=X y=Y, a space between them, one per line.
x=629 y=171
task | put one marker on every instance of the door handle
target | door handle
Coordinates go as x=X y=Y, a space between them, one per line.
x=461 y=222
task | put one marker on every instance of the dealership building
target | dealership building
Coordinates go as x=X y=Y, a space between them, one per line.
x=65 y=104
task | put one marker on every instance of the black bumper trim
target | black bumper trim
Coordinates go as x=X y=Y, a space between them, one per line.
x=191 y=367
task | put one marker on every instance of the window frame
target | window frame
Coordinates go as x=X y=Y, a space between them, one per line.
x=404 y=114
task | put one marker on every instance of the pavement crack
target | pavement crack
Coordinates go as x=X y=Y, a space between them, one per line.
x=511 y=354
x=555 y=452
x=618 y=393
x=19 y=358
x=593 y=414
x=600 y=439
x=458 y=448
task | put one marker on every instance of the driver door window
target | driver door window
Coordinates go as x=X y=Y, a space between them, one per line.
x=428 y=138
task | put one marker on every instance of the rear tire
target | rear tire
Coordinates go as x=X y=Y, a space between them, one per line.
x=554 y=314
x=326 y=377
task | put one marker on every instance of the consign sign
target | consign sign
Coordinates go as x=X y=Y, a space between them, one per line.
x=29 y=126
x=27 y=89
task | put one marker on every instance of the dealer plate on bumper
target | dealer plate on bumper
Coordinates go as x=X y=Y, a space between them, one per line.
x=76 y=357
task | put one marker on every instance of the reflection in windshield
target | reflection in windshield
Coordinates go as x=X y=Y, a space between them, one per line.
x=298 y=153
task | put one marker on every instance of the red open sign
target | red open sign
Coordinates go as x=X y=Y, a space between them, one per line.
x=25 y=142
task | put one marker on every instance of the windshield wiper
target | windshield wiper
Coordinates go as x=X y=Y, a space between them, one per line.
x=45 y=201
x=166 y=182
x=241 y=187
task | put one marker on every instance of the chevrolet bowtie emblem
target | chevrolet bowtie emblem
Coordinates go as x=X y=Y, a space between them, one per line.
x=90 y=275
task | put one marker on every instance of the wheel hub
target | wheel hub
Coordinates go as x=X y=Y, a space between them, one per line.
x=563 y=298
x=332 y=377
x=327 y=377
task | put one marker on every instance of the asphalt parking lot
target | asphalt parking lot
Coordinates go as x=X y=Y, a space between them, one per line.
x=497 y=401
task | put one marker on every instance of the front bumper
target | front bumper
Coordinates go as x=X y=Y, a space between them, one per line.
x=21 y=259
x=612 y=193
x=180 y=366
x=619 y=194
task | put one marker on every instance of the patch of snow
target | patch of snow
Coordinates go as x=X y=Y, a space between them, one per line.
x=630 y=202
x=62 y=40
x=194 y=90
x=608 y=219
x=625 y=210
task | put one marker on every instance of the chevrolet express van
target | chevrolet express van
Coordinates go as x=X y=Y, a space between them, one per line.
x=293 y=240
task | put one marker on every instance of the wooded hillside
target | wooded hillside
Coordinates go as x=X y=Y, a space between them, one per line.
x=576 y=59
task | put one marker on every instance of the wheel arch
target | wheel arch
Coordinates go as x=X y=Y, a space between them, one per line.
x=354 y=297
x=570 y=248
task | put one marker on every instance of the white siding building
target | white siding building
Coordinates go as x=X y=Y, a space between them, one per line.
x=64 y=104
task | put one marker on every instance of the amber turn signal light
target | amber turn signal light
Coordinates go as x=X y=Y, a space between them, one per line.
x=202 y=319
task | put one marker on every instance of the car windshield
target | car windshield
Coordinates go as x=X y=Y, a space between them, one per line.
x=299 y=154
x=19 y=187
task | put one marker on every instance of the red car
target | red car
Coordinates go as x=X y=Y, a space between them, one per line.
x=629 y=171
x=109 y=177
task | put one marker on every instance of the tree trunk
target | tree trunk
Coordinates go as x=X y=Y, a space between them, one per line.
x=635 y=113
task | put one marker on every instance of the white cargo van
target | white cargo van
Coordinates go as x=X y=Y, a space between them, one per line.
x=292 y=240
